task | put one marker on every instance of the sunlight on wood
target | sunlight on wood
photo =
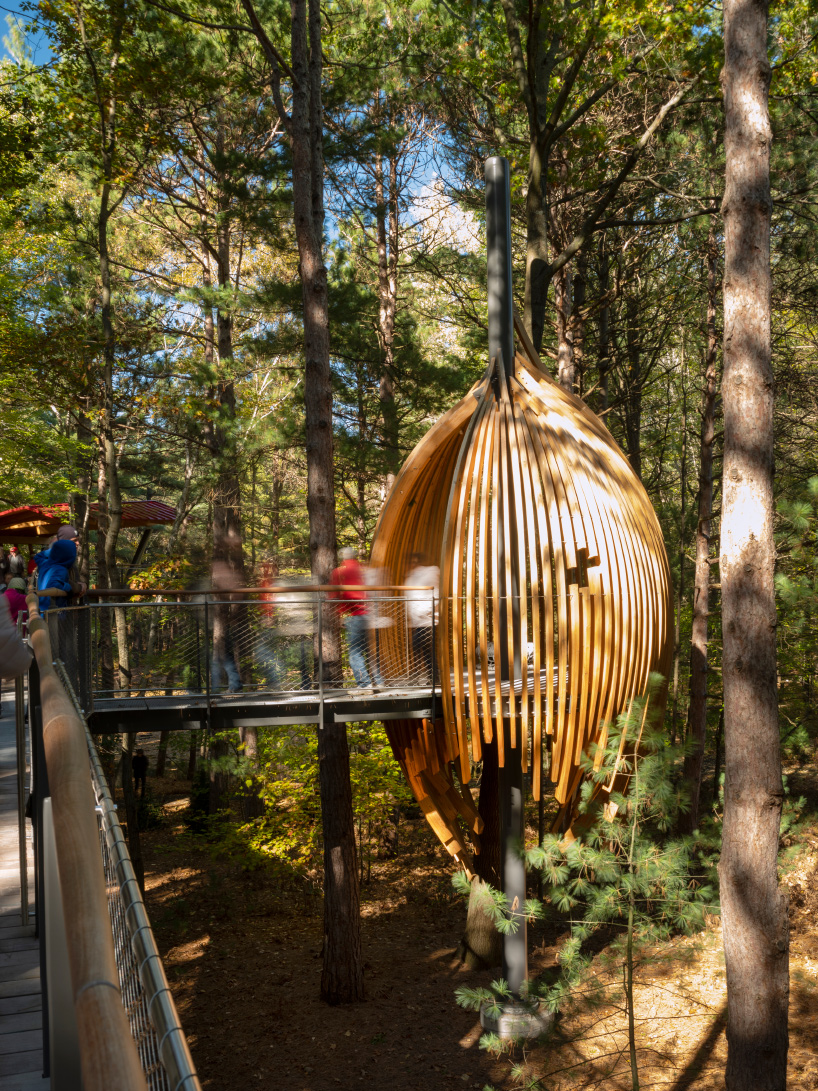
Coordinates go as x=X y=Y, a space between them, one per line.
x=524 y=499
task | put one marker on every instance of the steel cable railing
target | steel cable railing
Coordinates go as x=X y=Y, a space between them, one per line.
x=146 y=995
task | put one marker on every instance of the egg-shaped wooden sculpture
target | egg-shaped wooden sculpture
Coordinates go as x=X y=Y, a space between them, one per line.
x=555 y=591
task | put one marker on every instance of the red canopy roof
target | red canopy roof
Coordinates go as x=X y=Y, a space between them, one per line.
x=35 y=521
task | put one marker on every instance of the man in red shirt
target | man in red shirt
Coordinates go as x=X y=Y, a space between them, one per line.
x=352 y=607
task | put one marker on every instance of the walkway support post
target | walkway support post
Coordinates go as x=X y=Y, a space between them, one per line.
x=20 y=734
x=517 y=1018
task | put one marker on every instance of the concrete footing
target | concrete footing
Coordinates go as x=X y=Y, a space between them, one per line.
x=516 y=1019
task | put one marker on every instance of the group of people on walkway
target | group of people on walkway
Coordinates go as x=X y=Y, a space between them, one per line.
x=54 y=568
x=279 y=633
x=359 y=615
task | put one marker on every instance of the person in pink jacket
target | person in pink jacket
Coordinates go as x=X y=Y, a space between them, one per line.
x=16 y=597
x=14 y=655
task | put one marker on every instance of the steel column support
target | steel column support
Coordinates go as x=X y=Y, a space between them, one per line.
x=501 y=348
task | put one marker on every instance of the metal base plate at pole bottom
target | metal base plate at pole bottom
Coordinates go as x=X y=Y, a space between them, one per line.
x=516 y=1019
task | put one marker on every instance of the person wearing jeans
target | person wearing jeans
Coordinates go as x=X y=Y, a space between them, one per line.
x=352 y=607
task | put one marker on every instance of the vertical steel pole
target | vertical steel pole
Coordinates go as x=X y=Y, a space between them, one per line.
x=208 y=658
x=501 y=348
x=20 y=731
x=320 y=662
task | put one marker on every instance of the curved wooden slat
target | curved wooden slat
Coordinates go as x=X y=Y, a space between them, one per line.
x=527 y=499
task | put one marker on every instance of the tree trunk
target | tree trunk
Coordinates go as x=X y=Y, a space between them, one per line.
x=537 y=274
x=387 y=223
x=219 y=779
x=191 y=754
x=680 y=590
x=754 y=909
x=576 y=328
x=563 y=301
x=701 y=585
x=633 y=387
x=604 y=328
x=342 y=975
x=482 y=945
x=342 y=979
x=129 y=797
x=162 y=755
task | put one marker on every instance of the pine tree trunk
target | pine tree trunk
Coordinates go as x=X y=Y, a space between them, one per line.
x=387 y=224
x=162 y=755
x=563 y=300
x=537 y=274
x=633 y=390
x=482 y=945
x=754 y=909
x=342 y=975
x=191 y=754
x=680 y=590
x=342 y=978
x=129 y=797
x=701 y=584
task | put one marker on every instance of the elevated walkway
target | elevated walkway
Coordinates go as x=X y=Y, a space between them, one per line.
x=21 y=1015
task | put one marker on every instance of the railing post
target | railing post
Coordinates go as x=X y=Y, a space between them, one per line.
x=434 y=657
x=20 y=733
x=208 y=658
x=86 y=693
x=198 y=656
x=320 y=661
x=64 y=1050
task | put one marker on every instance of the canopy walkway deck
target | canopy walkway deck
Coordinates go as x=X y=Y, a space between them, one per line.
x=21 y=1018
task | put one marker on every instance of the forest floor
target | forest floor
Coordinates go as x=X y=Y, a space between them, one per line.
x=243 y=959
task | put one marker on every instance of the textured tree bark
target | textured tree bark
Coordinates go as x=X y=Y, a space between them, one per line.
x=680 y=589
x=576 y=327
x=537 y=275
x=633 y=387
x=342 y=978
x=387 y=226
x=342 y=974
x=191 y=754
x=129 y=798
x=754 y=910
x=701 y=583
x=482 y=945
x=162 y=753
x=604 y=328
x=563 y=302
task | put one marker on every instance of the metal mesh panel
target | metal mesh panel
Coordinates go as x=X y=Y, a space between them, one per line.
x=146 y=997
x=134 y=999
x=271 y=644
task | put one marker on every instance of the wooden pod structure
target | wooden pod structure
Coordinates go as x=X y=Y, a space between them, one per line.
x=555 y=590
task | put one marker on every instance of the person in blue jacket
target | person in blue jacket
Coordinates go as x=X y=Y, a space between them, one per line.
x=54 y=569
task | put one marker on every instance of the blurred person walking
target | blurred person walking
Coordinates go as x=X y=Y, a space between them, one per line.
x=15 y=657
x=16 y=597
x=17 y=566
x=352 y=608
x=139 y=766
x=423 y=583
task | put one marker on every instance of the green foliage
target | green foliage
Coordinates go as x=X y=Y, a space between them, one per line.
x=289 y=832
x=626 y=882
x=796 y=584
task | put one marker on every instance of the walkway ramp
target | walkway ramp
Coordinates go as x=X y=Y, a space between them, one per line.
x=21 y=1019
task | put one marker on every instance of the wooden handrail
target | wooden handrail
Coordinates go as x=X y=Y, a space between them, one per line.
x=108 y=1054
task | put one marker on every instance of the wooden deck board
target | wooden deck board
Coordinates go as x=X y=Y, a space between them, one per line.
x=21 y=1016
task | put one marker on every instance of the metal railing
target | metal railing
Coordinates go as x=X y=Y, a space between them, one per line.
x=146 y=995
x=207 y=645
x=108 y=1011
